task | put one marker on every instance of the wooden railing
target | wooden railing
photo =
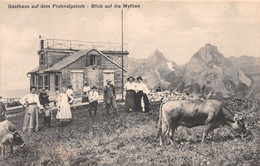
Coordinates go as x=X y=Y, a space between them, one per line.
x=11 y=102
x=82 y=45
x=77 y=102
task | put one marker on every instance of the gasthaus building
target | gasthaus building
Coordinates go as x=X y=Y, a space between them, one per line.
x=66 y=62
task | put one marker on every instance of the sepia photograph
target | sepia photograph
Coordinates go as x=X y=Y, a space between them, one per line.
x=129 y=83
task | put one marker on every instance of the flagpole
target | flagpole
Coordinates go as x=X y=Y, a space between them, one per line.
x=122 y=30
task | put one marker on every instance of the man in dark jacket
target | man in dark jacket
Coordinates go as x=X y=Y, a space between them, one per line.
x=110 y=97
x=2 y=110
x=44 y=98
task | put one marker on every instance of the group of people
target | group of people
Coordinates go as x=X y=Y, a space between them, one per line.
x=136 y=94
x=91 y=95
x=35 y=103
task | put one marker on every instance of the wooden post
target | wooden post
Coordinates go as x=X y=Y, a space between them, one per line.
x=122 y=53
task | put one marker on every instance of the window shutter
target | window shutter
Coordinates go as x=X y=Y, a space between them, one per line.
x=49 y=81
x=32 y=77
x=87 y=60
x=98 y=60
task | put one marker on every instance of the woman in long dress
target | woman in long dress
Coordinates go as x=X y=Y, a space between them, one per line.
x=130 y=89
x=142 y=92
x=31 y=116
x=64 y=112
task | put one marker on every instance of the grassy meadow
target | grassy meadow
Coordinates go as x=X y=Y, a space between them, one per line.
x=131 y=139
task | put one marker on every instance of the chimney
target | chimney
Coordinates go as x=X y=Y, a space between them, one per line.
x=41 y=44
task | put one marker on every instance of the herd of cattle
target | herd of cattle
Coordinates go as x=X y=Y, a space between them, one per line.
x=175 y=110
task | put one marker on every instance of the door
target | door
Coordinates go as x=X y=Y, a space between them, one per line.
x=77 y=82
x=108 y=75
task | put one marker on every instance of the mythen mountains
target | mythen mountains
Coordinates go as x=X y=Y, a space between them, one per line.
x=208 y=73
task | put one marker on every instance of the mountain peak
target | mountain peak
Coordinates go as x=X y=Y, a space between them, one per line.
x=157 y=57
x=208 y=48
x=157 y=53
x=209 y=54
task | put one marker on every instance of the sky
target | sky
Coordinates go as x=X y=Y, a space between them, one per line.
x=177 y=29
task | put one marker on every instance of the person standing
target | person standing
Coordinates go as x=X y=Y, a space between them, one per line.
x=31 y=117
x=130 y=88
x=64 y=112
x=93 y=99
x=47 y=115
x=44 y=98
x=69 y=92
x=2 y=110
x=57 y=92
x=142 y=92
x=110 y=97
x=40 y=90
x=85 y=96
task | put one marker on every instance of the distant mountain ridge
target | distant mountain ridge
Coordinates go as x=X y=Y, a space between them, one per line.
x=18 y=93
x=207 y=73
x=251 y=67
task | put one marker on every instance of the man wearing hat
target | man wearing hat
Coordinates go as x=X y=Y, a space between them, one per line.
x=142 y=92
x=44 y=98
x=93 y=99
x=130 y=88
x=2 y=110
x=110 y=97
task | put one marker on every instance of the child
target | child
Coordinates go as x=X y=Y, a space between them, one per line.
x=47 y=115
x=93 y=99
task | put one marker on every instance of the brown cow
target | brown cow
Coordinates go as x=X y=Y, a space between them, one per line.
x=191 y=113
x=9 y=136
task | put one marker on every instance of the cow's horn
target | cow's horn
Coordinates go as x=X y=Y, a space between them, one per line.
x=11 y=139
x=22 y=145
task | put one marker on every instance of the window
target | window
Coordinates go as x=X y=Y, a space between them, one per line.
x=46 y=81
x=57 y=82
x=42 y=59
x=40 y=83
x=93 y=60
x=33 y=80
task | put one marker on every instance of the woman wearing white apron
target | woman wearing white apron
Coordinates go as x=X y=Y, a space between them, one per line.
x=64 y=112
x=31 y=116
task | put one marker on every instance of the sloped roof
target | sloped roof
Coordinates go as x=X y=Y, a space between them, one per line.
x=34 y=70
x=110 y=60
x=66 y=61
x=70 y=59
